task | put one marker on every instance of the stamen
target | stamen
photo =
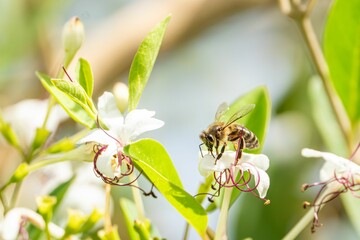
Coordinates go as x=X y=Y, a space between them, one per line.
x=304 y=187
x=67 y=74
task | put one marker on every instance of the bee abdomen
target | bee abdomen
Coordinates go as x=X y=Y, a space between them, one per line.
x=251 y=141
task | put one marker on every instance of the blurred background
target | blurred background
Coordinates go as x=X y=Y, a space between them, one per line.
x=213 y=51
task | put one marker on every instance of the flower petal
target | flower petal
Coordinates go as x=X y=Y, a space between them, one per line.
x=333 y=163
x=137 y=122
x=13 y=219
x=25 y=130
x=261 y=178
x=98 y=136
x=260 y=161
x=109 y=112
x=105 y=162
x=206 y=165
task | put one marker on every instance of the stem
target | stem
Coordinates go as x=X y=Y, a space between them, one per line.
x=15 y=194
x=50 y=160
x=222 y=222
x=50 y=105
x=47 y=231
x=186 y=232
x=299 y=227
x=4 y=203
x=308 y=33
x=137 y=198
x=300 y=14
x=107 y=215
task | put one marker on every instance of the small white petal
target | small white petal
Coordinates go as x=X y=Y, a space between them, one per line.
x=333 y=163
x=109 y=112
x=137 y=122
x=17 y=114
x=98 y=136
x=258 y=160
x=13 y=218
x=104 y=161
x=260 y=177
x=206 y=165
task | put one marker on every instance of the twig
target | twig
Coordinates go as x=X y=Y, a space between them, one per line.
x=300 y=13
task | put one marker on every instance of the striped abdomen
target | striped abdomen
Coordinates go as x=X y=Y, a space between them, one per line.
x=237 y=131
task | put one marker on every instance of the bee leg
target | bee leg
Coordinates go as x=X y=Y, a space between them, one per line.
x=222 y=150
x=240 y=147
x=202 y=155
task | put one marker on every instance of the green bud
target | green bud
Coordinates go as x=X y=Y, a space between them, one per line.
x=93 y=218
x=73 y=37
x=142 y=228
x=112 y=234
x=121 y=93
x=76 y=221
x=8 y=133
x=46 y=206
x=20 y=173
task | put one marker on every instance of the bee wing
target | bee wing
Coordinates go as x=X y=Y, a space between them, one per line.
x=222 y=109
x=243 y=111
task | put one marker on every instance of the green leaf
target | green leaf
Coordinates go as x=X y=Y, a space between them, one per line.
x=151 y=157
x=76 y=93
x=85 y=77
x=153 y=153
x=257 y=120
x=342 y=52
x=60 y=191
x=144 y=61
x=128 y=210
x=75 y=111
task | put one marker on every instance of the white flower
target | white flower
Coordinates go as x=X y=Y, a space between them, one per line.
x=338 y=175
x=255 y=164
x=14 y=219
x=28 y=115
x=121 y=131
x=334 y=164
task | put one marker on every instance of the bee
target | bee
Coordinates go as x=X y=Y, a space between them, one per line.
x=218 y=134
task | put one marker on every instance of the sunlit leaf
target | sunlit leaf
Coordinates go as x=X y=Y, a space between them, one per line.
x=75 y=92
x=151 y=157
x=154 y=154
x=144 y=61
x=342 y=52
x=85 y=77
x=258 y=119
x=75 y=111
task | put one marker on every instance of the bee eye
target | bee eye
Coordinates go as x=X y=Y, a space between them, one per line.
x=209 y=138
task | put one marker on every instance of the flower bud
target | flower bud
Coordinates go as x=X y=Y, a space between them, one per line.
x=121 y=93
x=46 y=206
x=20 y=173
x=73 y=37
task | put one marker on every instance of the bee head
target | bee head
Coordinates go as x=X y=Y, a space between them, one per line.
x=207 y=139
